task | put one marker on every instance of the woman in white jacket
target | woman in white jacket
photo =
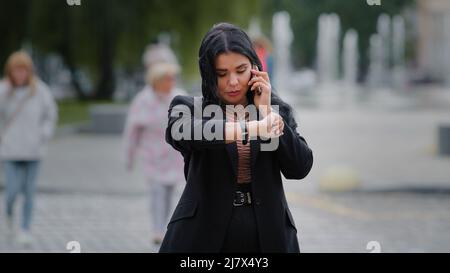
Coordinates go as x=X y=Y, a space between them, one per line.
x=28 y=114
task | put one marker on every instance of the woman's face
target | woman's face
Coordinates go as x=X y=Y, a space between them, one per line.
x=233 y=74
x=20 y=76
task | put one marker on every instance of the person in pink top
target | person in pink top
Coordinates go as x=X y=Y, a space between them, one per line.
x=144 y=135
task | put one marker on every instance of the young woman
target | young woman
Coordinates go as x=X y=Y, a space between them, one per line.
x=28 y=114
x=234 y=199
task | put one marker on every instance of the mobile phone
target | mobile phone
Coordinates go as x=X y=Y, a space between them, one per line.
x=258 y=91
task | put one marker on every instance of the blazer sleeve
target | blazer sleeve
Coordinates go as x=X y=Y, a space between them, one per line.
x=294 y=156
x=183 y=123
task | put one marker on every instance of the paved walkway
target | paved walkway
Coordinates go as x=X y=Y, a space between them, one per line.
x=86 y=195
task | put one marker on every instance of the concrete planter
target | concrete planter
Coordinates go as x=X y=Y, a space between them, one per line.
x=444 y=139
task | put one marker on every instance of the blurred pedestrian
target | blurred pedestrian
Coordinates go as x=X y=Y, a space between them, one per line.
x=28 y=114
x=158 y=53
x=144 y=135
x=263 y=49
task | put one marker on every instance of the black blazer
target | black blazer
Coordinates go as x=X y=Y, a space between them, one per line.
x=200 y=219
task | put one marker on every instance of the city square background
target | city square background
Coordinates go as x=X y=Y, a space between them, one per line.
x=370 y=86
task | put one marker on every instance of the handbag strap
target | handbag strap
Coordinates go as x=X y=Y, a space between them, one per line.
x=14 y=115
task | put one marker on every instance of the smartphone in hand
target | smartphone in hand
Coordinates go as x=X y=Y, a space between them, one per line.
x=258 y=90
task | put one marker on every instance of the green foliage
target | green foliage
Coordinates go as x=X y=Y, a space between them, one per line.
x=74 y=112
x=14 y=22
x=356 y=14
x=101 y=35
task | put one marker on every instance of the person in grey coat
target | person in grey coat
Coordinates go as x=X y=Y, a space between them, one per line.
x=28 y=114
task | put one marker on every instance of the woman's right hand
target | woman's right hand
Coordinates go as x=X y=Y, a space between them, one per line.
x=260 y=85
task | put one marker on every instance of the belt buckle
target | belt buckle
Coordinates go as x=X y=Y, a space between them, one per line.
x=240 y=198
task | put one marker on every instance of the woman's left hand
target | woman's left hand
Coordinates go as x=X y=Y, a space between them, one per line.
x=271 y=126
x=260 y=85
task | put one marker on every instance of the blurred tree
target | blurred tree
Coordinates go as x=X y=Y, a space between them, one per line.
x=14 y=25
x=86 y=36
x=101 y=35
x=356 y=14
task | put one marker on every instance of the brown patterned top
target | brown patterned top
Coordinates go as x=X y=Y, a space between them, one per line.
x=244 y=156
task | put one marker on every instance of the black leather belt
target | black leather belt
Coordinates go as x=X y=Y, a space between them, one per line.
x=242 y=198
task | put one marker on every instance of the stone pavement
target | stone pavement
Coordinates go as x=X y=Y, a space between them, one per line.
x=86 y=195
x=387 y=150
x=347 y=222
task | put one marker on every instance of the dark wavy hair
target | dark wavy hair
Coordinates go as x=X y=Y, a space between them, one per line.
x=223 y=38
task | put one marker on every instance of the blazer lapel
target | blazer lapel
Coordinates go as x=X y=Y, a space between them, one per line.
x=255 y=145
x=254 y=150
